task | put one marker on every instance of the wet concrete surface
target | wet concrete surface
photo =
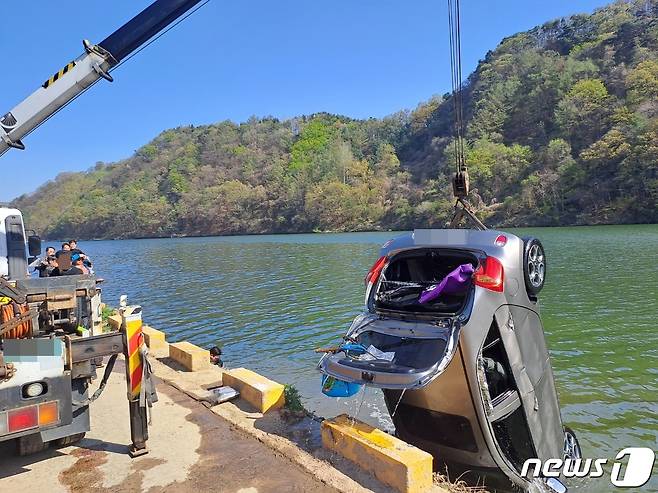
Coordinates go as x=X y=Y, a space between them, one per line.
x=191 y=450
x=232 y=461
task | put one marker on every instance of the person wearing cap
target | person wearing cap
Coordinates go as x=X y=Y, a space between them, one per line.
x=77 y=267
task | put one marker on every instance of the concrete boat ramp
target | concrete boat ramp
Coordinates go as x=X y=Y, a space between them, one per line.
x=191 y=449
x=195 y=446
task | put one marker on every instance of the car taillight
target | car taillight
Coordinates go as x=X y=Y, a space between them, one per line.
x=3 y=423
x=22 y=419
x=500 y=241
x=490 y=274
x=375 y=271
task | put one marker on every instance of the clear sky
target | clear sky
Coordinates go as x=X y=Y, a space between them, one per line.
x=231 y=60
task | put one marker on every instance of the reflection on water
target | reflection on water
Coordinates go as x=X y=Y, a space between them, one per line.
x=270 y=300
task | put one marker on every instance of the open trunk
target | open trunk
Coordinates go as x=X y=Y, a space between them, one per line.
x=411 y=272
x=413 y=342
x=400 y=354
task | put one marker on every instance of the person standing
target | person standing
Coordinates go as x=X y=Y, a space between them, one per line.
x=41 y=264
x=65 y=248
x=53 y=267
x=77 y=267
x=85 y=258
x=73 y=244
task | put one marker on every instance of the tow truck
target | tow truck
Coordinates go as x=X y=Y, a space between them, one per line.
x=51 y=331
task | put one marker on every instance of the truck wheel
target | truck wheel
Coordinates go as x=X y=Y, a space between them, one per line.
x=534 y=265
x=69 y=440
x=30 y=444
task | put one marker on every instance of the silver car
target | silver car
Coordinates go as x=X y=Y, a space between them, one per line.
x=467 y=376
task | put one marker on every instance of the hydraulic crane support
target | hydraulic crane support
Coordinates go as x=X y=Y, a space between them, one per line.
x=80 y=74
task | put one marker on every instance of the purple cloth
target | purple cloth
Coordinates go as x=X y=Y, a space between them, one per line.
x=454 y=283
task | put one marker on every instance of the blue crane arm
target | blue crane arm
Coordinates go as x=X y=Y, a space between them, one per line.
x=144 y=26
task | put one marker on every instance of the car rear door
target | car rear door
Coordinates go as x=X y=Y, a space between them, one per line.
x=401 y=354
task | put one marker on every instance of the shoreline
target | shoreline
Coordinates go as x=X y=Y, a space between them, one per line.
x=321 y=233
x=296 y=436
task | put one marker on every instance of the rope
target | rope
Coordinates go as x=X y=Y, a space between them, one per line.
x=147 y=392
x=16 y=321
x=106 y=376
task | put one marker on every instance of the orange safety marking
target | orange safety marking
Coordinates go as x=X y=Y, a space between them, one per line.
x=133 y=361
x=134 y=342
x=136 y=380
x=134 y=337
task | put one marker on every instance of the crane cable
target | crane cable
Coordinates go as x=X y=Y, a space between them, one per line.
x=456 y=80
x=460 y=183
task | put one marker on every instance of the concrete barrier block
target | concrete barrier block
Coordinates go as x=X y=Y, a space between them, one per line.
x=192 y=357
x=154 y=338
x=262 y=393
x=114 y=321
x=392 y=461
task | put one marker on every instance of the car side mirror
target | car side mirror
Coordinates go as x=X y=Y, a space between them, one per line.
x=555 y=485
x=34 y=245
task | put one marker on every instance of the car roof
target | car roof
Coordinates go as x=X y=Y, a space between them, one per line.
x=467 y=239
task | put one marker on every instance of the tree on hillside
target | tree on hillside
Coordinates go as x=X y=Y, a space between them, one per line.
x=642 y=84
x=496 y=169
x=561 y=128
x=583 y=114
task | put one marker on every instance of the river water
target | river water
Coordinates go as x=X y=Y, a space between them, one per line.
x=270 y=300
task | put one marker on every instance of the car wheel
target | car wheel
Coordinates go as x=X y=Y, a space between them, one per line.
x=571 y=445
x=534 y=265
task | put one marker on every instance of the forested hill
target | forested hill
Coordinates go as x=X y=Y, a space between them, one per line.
x=562 y=128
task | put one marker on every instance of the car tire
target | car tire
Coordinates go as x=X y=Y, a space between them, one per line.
x=69 y=440
x=572 y=448
x=534 y=265
x=30 y=444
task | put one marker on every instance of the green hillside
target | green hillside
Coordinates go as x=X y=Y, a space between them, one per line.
x=562 y=128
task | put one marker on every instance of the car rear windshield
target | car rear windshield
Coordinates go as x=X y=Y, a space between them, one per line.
x=413 y=272
x=395 y=354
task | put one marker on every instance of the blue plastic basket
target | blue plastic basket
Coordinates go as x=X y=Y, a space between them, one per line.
x=333 y=387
